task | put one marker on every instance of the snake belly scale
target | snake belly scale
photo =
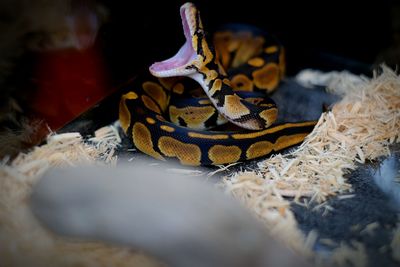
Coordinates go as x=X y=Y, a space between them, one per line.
x=236 y=71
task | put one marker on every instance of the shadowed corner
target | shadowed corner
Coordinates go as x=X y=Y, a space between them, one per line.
x=52 y=67
x=183 y=221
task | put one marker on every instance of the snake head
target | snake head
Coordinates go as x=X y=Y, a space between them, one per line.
x=193 y=54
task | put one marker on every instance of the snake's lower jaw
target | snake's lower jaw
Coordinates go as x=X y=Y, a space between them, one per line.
x=175 y=66
x=178 y=65
x=185 y=61
x=182 y=64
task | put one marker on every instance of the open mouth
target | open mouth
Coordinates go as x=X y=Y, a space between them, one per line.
x=186 y=54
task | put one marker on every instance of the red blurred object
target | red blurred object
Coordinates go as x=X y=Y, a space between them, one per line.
x=68 y=83
x=70 y=74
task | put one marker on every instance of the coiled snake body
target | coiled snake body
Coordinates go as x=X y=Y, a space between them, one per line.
x=162 y=125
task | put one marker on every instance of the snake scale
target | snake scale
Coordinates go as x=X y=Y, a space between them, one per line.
x=236 y=71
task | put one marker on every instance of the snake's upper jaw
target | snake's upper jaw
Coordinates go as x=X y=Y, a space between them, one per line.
x=182 y=63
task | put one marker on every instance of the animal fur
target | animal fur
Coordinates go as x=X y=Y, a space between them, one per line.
x=181 y=220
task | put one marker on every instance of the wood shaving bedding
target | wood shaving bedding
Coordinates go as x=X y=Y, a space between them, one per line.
x=360 y=127
x=370 y=228
x=25 y=243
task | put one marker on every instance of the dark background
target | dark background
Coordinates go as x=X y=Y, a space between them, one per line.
x=327 y=35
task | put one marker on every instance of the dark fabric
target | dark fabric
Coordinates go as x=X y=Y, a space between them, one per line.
x=371 y=203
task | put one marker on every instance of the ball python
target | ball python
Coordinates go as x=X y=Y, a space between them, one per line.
x=235 y=71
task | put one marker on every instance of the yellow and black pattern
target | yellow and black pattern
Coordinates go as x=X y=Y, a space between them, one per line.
x=236 y=77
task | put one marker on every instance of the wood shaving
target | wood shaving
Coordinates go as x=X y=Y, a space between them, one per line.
x=370 y=228
x=187 y=172
x=311 y=239
x=360 y=127
x=342 y=197
x=222 y=168
x=328 y=242
x=350 y=255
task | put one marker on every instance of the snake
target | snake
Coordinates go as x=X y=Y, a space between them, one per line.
x=173 y=110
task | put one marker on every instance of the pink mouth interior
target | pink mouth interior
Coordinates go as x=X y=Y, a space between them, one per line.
x=185 y=54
